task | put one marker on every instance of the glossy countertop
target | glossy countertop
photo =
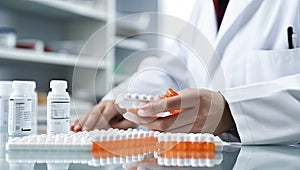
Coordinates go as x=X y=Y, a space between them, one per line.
x=232 y=157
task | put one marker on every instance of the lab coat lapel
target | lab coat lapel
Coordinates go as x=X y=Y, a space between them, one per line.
x=238 y=12
x=205 y=17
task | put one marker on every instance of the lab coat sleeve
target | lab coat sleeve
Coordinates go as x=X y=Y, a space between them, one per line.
x=268 y=112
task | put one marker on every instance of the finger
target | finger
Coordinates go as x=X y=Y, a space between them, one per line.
x=116 y=119
x=108 y=114
x=101 y=122
x=110 y=111
x=188 y=116
x=73 y=124
x=189 y=128
x=92 y=118
x=137 y=119
x=80 y=122
x=90 y=122
x=124 y=124
x=185 y=100
x=120 y=110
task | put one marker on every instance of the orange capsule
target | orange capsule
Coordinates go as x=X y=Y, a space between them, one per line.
x=171 y=93
x=135 y=111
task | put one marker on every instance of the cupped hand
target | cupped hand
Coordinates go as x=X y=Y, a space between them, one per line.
x=202 y=111
x=103 y=115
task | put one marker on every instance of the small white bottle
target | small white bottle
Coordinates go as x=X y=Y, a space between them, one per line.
x=58 y=108
x=33 y=94
x=5 y=91
x=19 y=115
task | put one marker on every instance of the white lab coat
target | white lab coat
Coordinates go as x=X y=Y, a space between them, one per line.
x=252 y=43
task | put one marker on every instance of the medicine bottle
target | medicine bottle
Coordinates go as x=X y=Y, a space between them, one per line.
x=58 y=108
x=5 y=91
x=19 y=115
x=33 y=95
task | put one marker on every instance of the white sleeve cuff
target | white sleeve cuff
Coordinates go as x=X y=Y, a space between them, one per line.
x=243 y=119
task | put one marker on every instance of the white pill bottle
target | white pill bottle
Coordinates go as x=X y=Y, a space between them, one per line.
x=58 y=108
x=33 y=94
x=5 y=91
x=19 y=114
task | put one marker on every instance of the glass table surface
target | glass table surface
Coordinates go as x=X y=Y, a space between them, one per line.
x=232 y=157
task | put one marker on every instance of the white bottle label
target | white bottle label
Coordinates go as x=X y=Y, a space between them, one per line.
x=58 y=115
x=56 y=126
x=5 y=102
x=60 y=109
x=4 y=111
x=2 y=116
x=19 y=116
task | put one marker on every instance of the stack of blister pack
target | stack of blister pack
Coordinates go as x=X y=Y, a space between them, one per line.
x=114 y=146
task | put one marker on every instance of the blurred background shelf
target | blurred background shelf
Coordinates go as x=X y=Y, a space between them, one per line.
x=57 y=24
x=49 y=58
x=131 y=44
x=132 y=36
x=62 y=9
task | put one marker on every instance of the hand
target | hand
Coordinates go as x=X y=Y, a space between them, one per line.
x=103 y=115
x=202 y=111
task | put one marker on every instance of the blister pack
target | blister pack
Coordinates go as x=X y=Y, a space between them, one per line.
x=133 y=101
x=115 y=146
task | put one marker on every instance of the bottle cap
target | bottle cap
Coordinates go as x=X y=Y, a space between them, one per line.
x=19 y=85
x=31 y=85
x=58 y=84
x=5 y=85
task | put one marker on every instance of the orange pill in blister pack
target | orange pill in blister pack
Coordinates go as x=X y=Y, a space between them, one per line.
x=171 y=93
